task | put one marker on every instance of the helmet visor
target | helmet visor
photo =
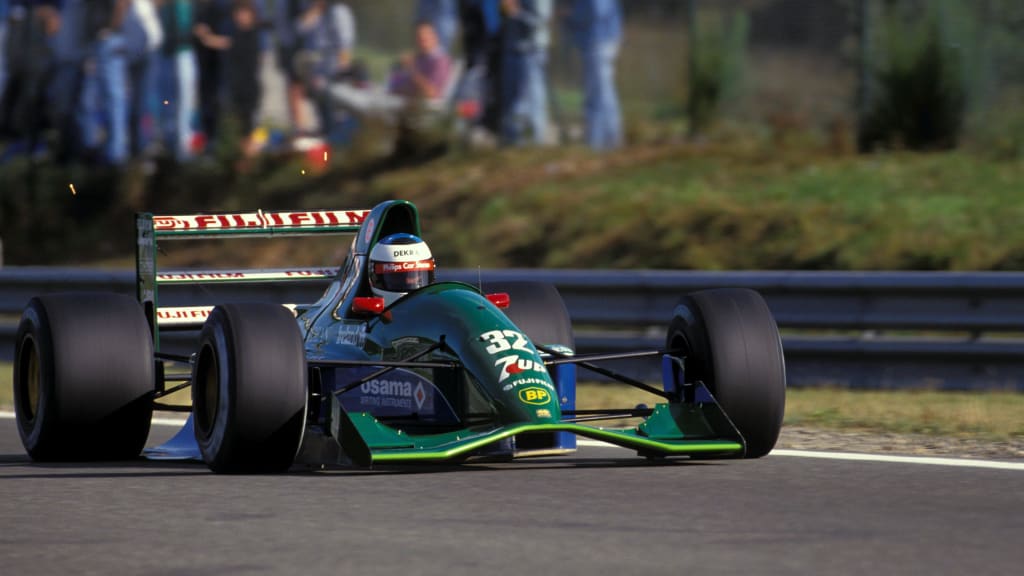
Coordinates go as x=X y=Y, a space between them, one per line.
x=403 y=276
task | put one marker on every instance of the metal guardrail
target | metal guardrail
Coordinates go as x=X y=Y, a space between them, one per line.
x=858 y=329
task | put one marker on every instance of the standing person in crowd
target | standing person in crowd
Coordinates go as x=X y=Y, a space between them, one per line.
x=178 y=76
x=30 y=27
x=443 y=16
x=104 y=93
x=210 y=29
x=286 y=15
x=525 y=40
x=327 y=37
x=244 y=69
x=66 y=81
x=143 y=37
x=4 y=9
x=481 y=44
x=596 y=28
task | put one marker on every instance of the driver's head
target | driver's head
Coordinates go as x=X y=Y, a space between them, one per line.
x=400 y=263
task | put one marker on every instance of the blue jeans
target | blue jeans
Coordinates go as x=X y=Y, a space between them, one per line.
x=105 y=100
x=177 y=87
x=524 y=90
x=3 y=55
x=601 y=101
x=143 y=81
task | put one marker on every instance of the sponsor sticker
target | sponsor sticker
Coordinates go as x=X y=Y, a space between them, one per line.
x=354 y=334
x=390 y=267
x=543 y=413
x=396 y=392
x=260 y=219
x=534 y=395
x=528 y=381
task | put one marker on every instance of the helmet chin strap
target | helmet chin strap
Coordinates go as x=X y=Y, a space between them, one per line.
x=389 y=297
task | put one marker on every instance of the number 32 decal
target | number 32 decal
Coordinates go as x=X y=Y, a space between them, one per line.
x=506 y=340
x=500 y=341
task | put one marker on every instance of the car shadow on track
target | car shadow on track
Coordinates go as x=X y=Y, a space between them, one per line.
x=140 y=468
x=144 y=468
x=519 y=465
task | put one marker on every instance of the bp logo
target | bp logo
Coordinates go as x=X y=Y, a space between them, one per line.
x=534 y=395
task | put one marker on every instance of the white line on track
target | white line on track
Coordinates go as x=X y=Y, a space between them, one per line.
x=922 y=460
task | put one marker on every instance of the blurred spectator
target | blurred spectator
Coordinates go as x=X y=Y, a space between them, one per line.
x=423 y=74
x=104 y=92
x=525 y=40
x=28 y=56
x=4 y=9
x=443 y=16
x=177 y=77
x=481 y=44
x=596 y=28
x=212 y=20
x=143 y=37
x=66 y=81
x=327 y=37
x=286 y=15
x=244 y=73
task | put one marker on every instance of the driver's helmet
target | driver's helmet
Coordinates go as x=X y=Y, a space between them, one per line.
x=400 y=263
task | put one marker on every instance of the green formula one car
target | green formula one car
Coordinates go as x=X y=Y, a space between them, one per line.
x=388 y=366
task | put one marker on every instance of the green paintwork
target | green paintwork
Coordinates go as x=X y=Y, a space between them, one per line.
x=378 y=443
x=460 y=314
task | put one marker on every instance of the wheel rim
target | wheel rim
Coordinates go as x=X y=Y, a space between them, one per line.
x=210 y=392
x=30 y=380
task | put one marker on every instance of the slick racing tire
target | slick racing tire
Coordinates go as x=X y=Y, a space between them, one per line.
x=731 y=342
x=249 y=389
x=83 y=377
x=538 y=310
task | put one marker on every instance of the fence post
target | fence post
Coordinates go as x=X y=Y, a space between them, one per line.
x=864 y=92
x=691 y=73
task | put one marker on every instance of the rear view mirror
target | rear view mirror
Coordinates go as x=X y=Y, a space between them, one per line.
x=371 y=305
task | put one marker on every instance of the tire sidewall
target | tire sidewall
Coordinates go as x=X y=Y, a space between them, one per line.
x=215 y=338
x=32 y=332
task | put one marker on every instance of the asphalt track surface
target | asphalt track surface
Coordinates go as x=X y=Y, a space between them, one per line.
x=601 y=511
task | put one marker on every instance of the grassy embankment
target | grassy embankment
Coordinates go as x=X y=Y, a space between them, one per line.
x=665 y=206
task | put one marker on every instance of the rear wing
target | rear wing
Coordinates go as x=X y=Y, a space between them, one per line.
x=151 y=229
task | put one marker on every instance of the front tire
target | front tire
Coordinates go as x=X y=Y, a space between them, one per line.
x=249 y=389
x=83 y=377
x=539 y=311
x=731 y=343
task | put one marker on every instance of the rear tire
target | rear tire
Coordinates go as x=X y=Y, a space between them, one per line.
x=731 y=343
x=83 y=377
x=249 y=389
x=539 y=311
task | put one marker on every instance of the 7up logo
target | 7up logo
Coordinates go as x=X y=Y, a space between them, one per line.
x=499 y=341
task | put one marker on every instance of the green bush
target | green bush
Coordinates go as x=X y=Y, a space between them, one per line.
x=920 y=77
x=719 y=43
